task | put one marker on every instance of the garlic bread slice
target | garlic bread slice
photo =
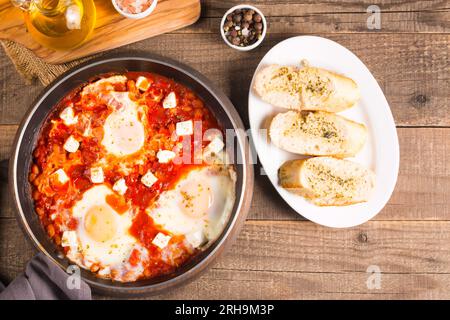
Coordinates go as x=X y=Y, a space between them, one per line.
x=306 y=88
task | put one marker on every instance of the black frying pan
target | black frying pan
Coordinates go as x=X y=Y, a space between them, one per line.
x=27 y=134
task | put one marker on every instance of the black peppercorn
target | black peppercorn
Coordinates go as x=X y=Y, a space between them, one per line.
x=237 y=18
x=248 y=17
x=243 y=27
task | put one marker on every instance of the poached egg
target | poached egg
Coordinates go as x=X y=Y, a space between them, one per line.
x=199 y=206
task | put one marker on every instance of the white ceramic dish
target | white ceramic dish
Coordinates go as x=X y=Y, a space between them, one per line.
x=381 y=152
x=140 y=15
x=257 y=43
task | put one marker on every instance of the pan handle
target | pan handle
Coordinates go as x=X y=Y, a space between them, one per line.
x=4 y=170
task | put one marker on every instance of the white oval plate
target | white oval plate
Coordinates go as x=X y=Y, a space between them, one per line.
x=380 y=153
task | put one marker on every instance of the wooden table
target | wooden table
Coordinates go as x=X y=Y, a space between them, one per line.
x=278 y=254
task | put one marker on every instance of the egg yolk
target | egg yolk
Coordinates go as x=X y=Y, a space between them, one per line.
x=197 y=198
x=100 y=224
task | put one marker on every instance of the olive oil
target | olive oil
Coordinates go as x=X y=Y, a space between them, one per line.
x=60 y=24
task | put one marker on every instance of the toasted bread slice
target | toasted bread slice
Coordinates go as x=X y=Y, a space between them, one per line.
x=327 y=181
x=306 y=88
x=317 y=133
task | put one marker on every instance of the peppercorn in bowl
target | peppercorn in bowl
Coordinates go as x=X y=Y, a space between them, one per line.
x=243 y=27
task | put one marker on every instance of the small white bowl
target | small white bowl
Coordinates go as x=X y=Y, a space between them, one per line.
x=257 y=43
x=140 y=15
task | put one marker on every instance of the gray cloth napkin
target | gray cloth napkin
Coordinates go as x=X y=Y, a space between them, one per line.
x=43 y=280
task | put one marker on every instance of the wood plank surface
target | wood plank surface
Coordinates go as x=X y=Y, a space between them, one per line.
x=421 y=193
x=216 y=8
x=168 y=15
x=336 y=16
x=301 y=260
x=433 y=21
x=412 y=70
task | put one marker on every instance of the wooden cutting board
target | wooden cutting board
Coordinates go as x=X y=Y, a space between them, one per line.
x=111 y=31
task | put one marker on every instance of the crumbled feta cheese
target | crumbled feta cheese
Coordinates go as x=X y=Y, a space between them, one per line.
x=68 y=116
x=164 y=156
x=148 y=179
x=62 y=176
x=142 y=83
x=71 y=144
x=215 y=146
x=120 y=186
x=185 y=128
x=69 y=239
x=161 y=240
x=97 y=175
x=170 y=101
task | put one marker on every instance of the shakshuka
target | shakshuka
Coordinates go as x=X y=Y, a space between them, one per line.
x=130 y=176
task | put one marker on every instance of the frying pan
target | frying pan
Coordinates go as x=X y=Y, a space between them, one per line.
x=27 y=134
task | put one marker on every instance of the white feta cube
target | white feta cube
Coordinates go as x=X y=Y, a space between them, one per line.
x=71 y=144
x=149 y=179
x=164 y=156
x=120 y=186
x=68 y=116
x=97 y=175
x=161 y=240
x=61 y=176
x=184 y=128
x=215 y=146
x=142 y=83
x=69 y=239
x=170 y=101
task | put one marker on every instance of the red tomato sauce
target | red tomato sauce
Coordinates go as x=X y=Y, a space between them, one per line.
x=52 y=198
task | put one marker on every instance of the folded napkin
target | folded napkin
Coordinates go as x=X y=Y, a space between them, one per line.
x=44 y=280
